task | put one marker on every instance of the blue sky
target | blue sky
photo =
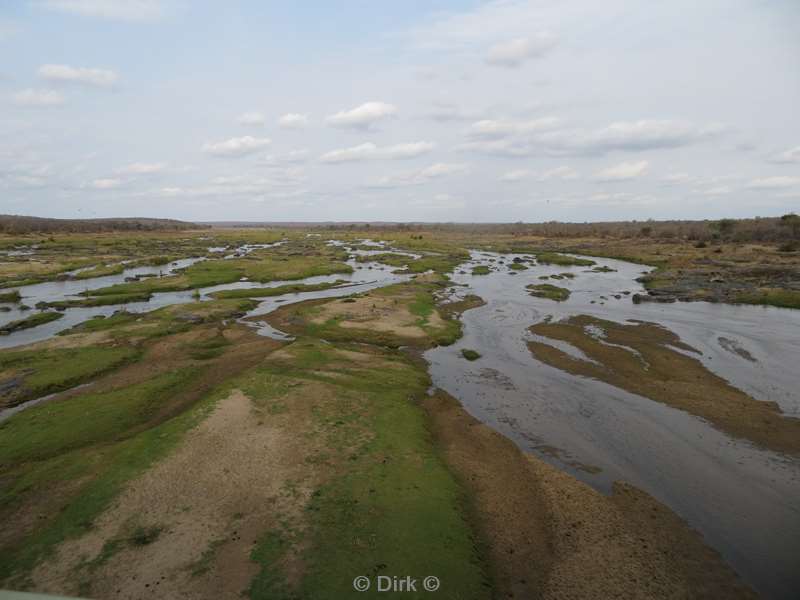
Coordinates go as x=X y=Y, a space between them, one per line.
x=438 y=111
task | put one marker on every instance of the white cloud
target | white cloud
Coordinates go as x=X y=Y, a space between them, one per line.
x=251 y=118
x=563 y=173
x=513 y=53
x=293 y=121
x=370 y=151
x=792 y=155
x=291 y=157
x=113 y=10
x=236 y=147
x=717 y=190
x=677 y=178
x=512 y=138
x=778 y=182
x=105 y=184
x=495 y=129
x=78 y=75
x=364 y=116
x=623 y=171
x=515 y=175
x=141 y=169
x=435 y=171
x=445 y=112
x=38 y=98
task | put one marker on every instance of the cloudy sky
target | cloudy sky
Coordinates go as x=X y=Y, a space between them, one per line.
x=446 y=110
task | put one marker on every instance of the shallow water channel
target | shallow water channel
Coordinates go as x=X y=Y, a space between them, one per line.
x=744 y=500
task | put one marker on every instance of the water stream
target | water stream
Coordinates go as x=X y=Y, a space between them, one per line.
x=744 y=500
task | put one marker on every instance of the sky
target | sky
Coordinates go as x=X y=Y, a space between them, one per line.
x=356 y=110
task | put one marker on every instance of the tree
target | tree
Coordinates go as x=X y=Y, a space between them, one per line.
x=791 y=221
x=725 y=227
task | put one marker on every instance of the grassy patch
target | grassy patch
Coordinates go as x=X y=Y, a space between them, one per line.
x=516 y=266
x=107 y=300
x=28 y=322
x=100 y=271
x=392 y=508
x=208 y=348
x=470 y=354
x=555 y=258
x=44 y=372
x=10 y=296
x=771 y=297
x=277 y=291
x=549 y=291
x=47 y=430
x=481 y=270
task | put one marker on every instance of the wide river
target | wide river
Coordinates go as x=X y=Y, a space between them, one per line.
x=744 y=500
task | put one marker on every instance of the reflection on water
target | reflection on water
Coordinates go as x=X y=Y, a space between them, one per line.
x=744 y=500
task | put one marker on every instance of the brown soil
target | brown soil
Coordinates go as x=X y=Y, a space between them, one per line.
x=550 y=536
x=377 y=313
x=644 y=361
x=223 y=487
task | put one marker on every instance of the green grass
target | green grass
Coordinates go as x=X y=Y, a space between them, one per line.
x=108 y=300
x=549 y=291
x=481 y=270
x=208 y=348
x=394 y=510
x=441 y=264
x=11 y=296
x=47 y=430
x=771 y=297
x=515 y=266
x=555 y=258
x=470 y=354
x=101 y=271
x=46 y=371
x=104 y=470
x=216 y=272
x=33 y=321
x=276 y=291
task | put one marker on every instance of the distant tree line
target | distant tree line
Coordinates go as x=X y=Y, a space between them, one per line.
x=18 y=224
x=758 y=229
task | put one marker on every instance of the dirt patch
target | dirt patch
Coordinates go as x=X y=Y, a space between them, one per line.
x=207 y=502
x=642 y=358
x=550 y=536
x=378 y=313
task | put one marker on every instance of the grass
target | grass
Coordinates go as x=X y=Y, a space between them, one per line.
x=10 y=296
x=555 y=258
x=549 y=291
x=48 y=371
x=100 y=271
x=417 y=297
x=216 y=272
x=371 y=518
x=209 y=348
x=102 y=471
x=771 y=297
x=276 y=291
x=516 y=266
x=107 y=300
x=48 y=430
x=470 y=354
x=481 y=270
x=28 y=322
